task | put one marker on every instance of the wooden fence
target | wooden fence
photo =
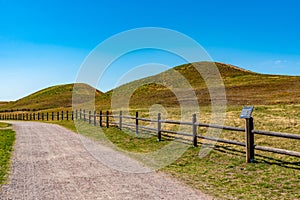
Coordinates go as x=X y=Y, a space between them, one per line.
x=106 y=119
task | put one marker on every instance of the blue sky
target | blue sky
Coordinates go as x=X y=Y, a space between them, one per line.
x=44 y=43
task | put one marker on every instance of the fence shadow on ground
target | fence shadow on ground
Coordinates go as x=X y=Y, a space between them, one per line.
x=259 y=157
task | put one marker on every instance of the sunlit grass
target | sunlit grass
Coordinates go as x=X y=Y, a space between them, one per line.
x=4 y=125
x=7 y=138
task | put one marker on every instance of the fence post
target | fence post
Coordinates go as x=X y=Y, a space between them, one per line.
x=76 y=114
x=42 y=116
x=249 y=140
x=120 y=120
x=84 y=118
x=195 y=142
x=47 y=116
x=57 y=116
x=95 y=118
x=90 y=113
x=136 y=123
x=80 y=114
x=62 y=115
x=34 y=116
x=23 y=116
x=67 y=115
x=107 y=119
x=158 y=127
x=52 y=116
x=100 y=118
x=38 y=116
x=72 y=115
x=30 y=116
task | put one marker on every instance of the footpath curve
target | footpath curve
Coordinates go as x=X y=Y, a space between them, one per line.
x=50 y=162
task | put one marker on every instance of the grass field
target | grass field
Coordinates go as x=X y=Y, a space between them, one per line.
x=223 y=173
x=7 y=138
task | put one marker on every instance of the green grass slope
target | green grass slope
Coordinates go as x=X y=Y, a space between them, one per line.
x=242 y=87
x=2 y=103
x=54 y=97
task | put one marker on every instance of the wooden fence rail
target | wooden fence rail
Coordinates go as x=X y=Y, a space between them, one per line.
x=107 y=119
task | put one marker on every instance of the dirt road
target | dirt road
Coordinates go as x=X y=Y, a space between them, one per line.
x=50 y=162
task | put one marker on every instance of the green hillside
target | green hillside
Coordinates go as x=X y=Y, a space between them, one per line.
x=242 y=87
x=54 y=97
x=2 y=103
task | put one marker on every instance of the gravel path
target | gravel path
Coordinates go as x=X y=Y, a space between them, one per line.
x=50 y=162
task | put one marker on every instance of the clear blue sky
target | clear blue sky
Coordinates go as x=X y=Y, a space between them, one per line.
x=43 y=43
